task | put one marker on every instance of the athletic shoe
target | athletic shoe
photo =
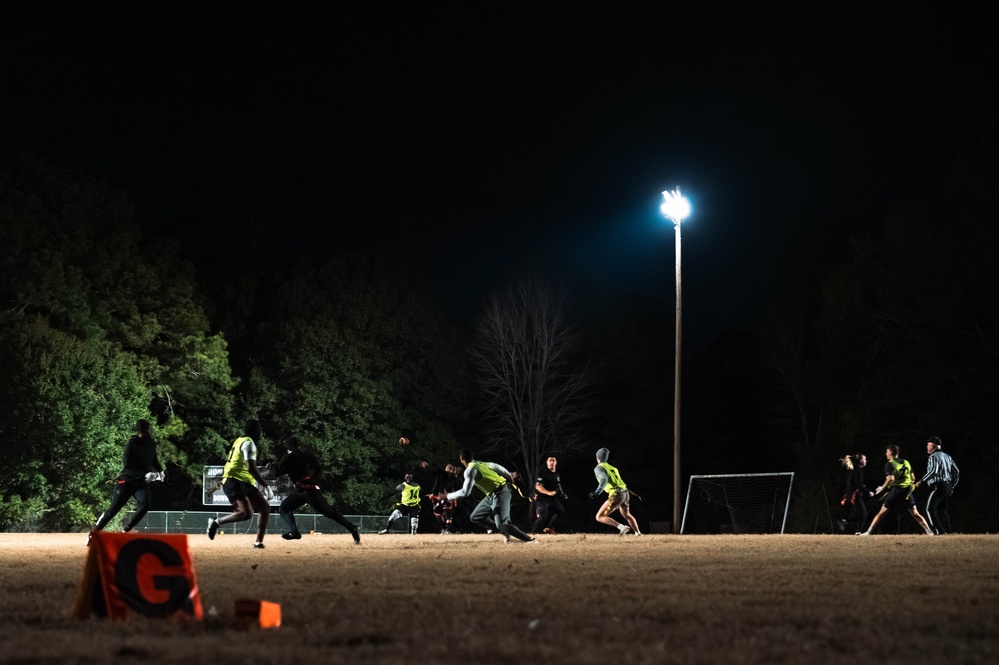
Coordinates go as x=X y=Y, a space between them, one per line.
x=531 y=541
x=624 y=530
x=930 y=533
x=550 y=532
x=213 y=528
x=357 y=536
x=864 y=533
x=383 y=532
x=638 y=533
x=292 y=535
x=506 y=538
x=258 y=546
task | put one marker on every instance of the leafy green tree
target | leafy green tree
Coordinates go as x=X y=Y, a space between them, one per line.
x=68 y=407
x=348 y=356
x=71 y=253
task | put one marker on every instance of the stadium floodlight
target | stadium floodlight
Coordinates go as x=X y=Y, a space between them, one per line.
x=676 y=208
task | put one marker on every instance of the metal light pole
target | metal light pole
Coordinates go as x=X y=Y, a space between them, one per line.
x=675 y=208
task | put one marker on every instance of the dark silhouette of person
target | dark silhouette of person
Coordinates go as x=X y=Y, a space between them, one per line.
x=303 y=470
x=140 y=466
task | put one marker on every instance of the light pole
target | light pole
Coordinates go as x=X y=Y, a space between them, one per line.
x=675 y=208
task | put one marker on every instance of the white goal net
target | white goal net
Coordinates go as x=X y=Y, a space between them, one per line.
x=738 y=503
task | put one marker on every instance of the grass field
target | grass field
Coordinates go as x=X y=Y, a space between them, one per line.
x=576 y=599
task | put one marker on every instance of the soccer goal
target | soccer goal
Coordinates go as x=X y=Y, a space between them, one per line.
x=738 y=503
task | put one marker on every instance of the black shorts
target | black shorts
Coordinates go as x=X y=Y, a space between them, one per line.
x=900 y=499
x=238 y=489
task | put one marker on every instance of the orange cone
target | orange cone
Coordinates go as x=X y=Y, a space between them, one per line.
x=261 y=613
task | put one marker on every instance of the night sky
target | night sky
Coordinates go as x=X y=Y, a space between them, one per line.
x=486 y=137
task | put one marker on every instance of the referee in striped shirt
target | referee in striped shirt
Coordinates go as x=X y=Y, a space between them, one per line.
x=942 y=475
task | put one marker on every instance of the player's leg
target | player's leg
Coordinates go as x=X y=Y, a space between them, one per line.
x=317 y=500
x=396 y=514
x=482 y=515
x=603 y=515
x=555 y=511
x=625 y=510
x=933 y=502
x=413 y=513
x=143 y=497
x=263 y=509
x=877 y=519
x=920 y=520
x=542 y=508
x=238 y=493
x=119 y=498
x=286 y=511
x=502 y=516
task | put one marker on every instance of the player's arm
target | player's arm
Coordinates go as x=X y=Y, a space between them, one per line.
x=249 y=449
x=466 y=488
x=601 y=476
x=540 y=489
x=251 y=466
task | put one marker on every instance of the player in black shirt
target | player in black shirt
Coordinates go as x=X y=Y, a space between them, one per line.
x=548 y=489
x=140 y=466
x=303 y=471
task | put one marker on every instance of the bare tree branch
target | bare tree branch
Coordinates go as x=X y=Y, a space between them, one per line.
x=537 y=389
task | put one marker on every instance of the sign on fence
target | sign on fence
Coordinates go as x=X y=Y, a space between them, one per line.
x=211 y=482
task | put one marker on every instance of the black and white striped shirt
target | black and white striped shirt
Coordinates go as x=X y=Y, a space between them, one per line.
x=940 y=468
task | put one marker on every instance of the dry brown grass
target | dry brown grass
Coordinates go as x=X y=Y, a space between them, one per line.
x=576 y=599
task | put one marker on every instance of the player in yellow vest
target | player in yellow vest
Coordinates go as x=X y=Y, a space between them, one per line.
x=408 y=504
x=493 y=511
x=239 y=482
x=618 y=497
x=899 y=482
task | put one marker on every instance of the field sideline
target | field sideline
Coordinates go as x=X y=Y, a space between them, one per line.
x=576 y=599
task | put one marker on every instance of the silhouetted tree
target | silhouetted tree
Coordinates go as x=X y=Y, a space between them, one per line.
x=793 y=408
x=536 y=387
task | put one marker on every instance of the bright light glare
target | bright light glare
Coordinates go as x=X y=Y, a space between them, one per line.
x=675 y=206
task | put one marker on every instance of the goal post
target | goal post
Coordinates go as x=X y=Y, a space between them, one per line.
x=737 y=503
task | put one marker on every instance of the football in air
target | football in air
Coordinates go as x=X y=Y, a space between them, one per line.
x=403 y=441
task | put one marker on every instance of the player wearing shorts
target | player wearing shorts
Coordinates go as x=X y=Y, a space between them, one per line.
x=408 y=505
x=239 y=482
x=899 y=482
x=618 y=497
